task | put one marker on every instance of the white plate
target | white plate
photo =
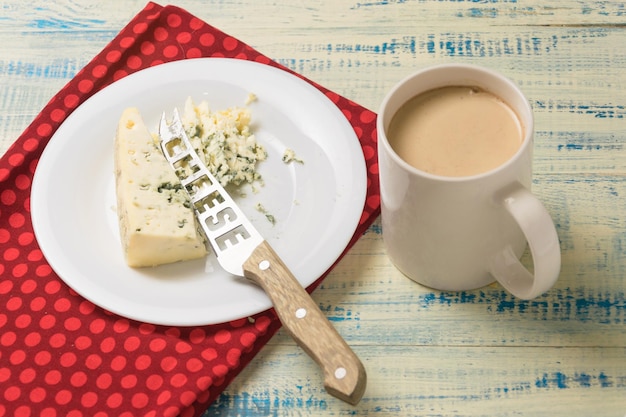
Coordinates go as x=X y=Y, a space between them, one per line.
x=317 y=205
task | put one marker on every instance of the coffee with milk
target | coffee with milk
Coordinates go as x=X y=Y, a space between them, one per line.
x=455 y=131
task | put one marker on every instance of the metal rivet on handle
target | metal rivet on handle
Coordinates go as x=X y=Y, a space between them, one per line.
x=301 y=313
x=264 y=265
x=340 y=373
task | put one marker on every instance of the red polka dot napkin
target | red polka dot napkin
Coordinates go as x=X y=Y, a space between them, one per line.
x=60 y=355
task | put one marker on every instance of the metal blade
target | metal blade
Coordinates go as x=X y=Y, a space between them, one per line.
x=228 y=231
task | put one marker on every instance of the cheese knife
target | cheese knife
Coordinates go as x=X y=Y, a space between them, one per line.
x=242 y=251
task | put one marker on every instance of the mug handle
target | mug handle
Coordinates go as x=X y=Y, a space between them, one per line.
x=543 y=241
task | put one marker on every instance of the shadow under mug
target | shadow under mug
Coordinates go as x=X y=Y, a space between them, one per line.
x=462 y=233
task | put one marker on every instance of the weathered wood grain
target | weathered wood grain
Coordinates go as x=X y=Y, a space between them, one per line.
x=479 y=353
x=439 y=381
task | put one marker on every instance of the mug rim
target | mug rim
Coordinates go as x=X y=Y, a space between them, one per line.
x=528 y=124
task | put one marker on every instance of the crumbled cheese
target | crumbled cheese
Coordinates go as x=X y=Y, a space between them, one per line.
x=260 y=208
x=251 y=98
x=224 y=142
x=290 y=156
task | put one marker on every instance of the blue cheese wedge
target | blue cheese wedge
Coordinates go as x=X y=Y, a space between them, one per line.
x=157 y=225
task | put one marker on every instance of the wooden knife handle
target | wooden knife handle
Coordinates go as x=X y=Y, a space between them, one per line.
x=344 y=374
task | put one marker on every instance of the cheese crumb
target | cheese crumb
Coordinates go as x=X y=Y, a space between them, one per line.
x=260 y=208
x=290 y=156
x=251 y=98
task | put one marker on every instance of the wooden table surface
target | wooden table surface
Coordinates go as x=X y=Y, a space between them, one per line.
x=479 y=353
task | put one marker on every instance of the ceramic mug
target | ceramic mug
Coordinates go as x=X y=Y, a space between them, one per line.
x=462 y=233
